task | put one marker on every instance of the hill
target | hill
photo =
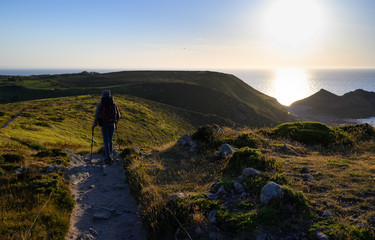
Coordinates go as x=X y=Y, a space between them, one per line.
x=35 y=140
x=326 y=105
x=223 y=94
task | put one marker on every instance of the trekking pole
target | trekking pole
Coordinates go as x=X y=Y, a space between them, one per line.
x=118 y=140
x=92 y=143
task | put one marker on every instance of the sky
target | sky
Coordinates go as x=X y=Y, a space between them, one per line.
x=187 y=34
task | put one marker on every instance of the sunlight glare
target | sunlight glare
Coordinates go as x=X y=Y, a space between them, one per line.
x=294 y=24
x=290 y=85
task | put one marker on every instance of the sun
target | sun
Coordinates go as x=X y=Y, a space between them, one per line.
x=294 y=24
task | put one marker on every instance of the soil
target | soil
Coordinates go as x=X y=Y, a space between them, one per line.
x=105 y=208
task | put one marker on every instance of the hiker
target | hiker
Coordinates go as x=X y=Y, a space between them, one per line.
x=107 y=115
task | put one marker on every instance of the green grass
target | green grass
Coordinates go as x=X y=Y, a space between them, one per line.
x=224 y=95
x=35 y=139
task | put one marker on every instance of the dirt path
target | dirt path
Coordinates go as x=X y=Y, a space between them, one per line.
x=14 y=118
x=105 y=209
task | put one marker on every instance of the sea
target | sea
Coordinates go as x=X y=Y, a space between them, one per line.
x=287 y=85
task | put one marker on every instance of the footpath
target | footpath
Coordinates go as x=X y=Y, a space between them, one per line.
x=105 y=208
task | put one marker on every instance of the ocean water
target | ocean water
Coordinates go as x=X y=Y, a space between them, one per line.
x=290 y=85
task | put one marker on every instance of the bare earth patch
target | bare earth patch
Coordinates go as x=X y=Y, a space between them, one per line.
x=105 y=209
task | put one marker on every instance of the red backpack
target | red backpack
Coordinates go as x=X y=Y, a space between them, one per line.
x=108 y=113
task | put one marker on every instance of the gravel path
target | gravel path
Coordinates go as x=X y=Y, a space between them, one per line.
x=105 y=209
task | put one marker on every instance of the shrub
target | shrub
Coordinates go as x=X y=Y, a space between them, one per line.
x=359 y=132
x=248 y=157
x=12 y=158
x=206 y=134
x=51 y=153
x=246 y=140
x=309 y=133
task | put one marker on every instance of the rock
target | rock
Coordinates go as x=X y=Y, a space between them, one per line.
x=226 y=150
x=321 y=236
x=307 y=177
x=54 y=168
x=305 y=170
x=193 y=146
x=328 y=214
x=177 y=195
x=20 y=169
x=102 y=213
x=221 y=191
x=262 y=237
x=244 y=194
x=212 y=216
x=198 y=231
x=288 y=150
x=212 y=236
x=250 y=172
x=91 y=234
x=184 y=140
x=212 y=186
x=270 y=191
x=211 y=196
x=238 y=186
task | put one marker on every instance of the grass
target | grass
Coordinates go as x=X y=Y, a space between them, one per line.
x=35 y=140
x=338 y=198
x=224 y=95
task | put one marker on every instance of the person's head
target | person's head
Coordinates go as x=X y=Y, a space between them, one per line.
x=106 y=95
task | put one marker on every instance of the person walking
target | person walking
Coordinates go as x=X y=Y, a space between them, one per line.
x=107 y=115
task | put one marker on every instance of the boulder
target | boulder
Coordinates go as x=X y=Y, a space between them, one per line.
x=184 y=140
x=307 y=177
x=102 y=213
x=221 y=191
x=226 y=150
x=20 y=169
x=238 y=186
x=270 y=191
x=54 y=168
x=321 y=236
x=177 y=195
x=250 y=172
x=212 y=216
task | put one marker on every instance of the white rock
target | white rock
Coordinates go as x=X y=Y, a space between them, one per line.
x=250 y=172
x=226 y=150
x=270 y=191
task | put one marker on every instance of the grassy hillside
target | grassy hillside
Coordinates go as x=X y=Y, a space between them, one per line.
x=237 y=101
x=327 y=176
x=35 y=139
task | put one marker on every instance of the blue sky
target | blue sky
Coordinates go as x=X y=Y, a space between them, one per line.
x=191 y=34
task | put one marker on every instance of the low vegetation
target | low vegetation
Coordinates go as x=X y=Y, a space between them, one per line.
x=324 y=188
x=326 y=173
x=36 y=203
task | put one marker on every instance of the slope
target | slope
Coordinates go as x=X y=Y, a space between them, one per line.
x=241 y=103
x=356 y=104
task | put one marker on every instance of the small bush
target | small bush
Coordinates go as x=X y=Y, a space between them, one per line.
x=246 y=140
x=206 y=134
x=248 y=157
x=51 y=153
x=309 y=133
x=12 y=158
x=359 y=132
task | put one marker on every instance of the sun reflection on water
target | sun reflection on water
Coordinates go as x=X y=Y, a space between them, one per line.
x=290 y=85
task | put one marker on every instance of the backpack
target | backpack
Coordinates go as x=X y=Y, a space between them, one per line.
x=108 y=113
